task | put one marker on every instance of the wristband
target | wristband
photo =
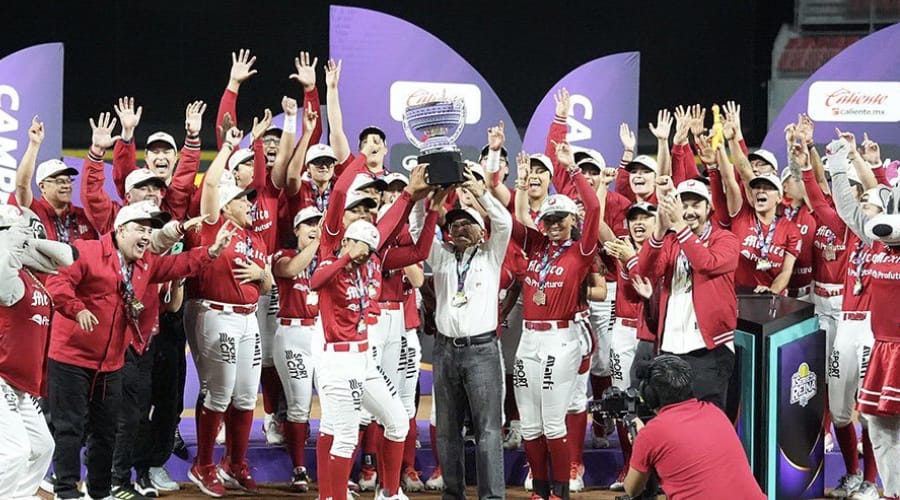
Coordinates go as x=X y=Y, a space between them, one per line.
x=493 y=161
x=290 y=124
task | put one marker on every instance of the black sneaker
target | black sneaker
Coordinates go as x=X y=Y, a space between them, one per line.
x=145 y=486
x=126 y=492
x=179 y=449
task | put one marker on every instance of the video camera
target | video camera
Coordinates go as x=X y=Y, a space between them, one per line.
x=617 y=404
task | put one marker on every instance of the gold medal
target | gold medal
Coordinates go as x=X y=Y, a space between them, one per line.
x=312 y=299
x=373 y=291
x=830 y=252
x=857 y=287
x=361 y=326
x=459 y=300
x=763 y=265
x=540 y=298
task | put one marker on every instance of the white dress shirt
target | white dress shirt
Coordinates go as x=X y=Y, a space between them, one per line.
x=482 y=286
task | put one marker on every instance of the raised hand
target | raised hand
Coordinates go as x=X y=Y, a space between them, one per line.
x=332 y=73
x=805 y=128
x=682 y=125
x=608 y=176
x=310 y=117
x=627 y=137
x=289 y=106
x=707 y=152
x=664 y=186
x=418 y=186
x=562 y=102
x=663 y=125
x=870 y=150
x=697 y=119
x=523 y=169
x=128 y=115
x=496 y=137
x=305 y=71
x=472 y=184
x=260 y=126
x=193 y=117
x=799 y=154
x=847 y=136
x=731 y=127
x=242 y=66
x=564 y=154
x=672 y=211
x=233 y=137
x=193 y=224
x=36 y=132
x=439 y=196
x=102 y=137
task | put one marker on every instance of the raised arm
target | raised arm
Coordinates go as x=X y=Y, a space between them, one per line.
x=629 y=142
x=327 y=270
x=591 y=229
x=25 y=172
x=124 y=152
x=305 y=75
x=336 y=135
x=241 y=70
x=847 y=206
x=406 y=255
x=523 y=167
x=295 y=168
x=334 y=213
x=260 y=172
x=557 y=135
x=288 y=267
x=733 y=197
x=99 y=208
x=286 y=149
x=661 y=132
x=209 y=199
x=178 y=194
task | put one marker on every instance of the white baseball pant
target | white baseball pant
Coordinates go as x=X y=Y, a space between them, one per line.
x=828 y=310
x=885 y=434
x=546 y=365
x=602 y=318
x=623 y=345
x=292 y=347
x=267 y=319
x=410 y=358
x=385 y=346
x=229 y=346
x=26 y=446
x=847 y=364
x=340 y=377
x=578 y=403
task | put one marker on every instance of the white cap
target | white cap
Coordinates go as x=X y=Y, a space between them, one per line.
x=693 y=186
x=766 y=156
x=317 y=151
x=51 y=168
x=365 y=181
x=228 y=192
x=467 y=212
x=874 y=197
x=10 y=215
x=589 y=162
x=363 y=231
x=771 y=179
x=478 y=170
x=395 y=177
x=643 y=160
x=588 y=155
x=557 y=204
x=542 y=160
x=239 y=156
x=306 y=214
x=142 y=176
x=785 y=174
x=140 y=212
x=355 y=198
x=161 y=137
x=641 y=207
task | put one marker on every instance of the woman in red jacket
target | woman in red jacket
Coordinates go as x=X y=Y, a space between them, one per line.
x=696 y=262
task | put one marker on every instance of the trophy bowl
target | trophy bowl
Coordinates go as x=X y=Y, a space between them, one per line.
x=433 y=127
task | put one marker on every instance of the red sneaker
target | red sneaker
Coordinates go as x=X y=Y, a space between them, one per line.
x=206 y=479
x=238 y=475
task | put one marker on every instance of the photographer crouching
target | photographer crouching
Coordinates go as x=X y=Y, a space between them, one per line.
x=690 y=444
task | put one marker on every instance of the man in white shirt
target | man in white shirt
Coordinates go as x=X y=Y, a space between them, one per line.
x=466 y=359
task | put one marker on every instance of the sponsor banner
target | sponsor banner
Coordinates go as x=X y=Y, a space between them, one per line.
x=389 y=63
x=850 y=95
x=31 y=84
x=604 y=94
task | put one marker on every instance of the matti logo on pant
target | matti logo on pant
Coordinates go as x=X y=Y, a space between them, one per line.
x=548 y=373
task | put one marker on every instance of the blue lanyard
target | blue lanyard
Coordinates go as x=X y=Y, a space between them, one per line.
x=461 y=274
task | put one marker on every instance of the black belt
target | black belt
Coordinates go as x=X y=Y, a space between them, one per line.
x=482 y=338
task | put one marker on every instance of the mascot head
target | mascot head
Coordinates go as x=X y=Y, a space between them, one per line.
x=885 y=227
x=25 y=235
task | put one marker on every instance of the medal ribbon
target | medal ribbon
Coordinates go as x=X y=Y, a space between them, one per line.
x=790 y=213
x=763 y=244
x=62 y=225
x=547 y=261
x=859 y=259
x=682 y=261
x=461 y=274
x=128 y=293
x=321 y=199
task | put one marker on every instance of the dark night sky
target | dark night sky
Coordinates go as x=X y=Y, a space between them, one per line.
x=167 y=53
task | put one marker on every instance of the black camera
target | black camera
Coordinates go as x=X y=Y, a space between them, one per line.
x=617 y=404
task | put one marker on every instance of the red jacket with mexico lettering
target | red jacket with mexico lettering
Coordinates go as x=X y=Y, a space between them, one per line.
x=713 y=263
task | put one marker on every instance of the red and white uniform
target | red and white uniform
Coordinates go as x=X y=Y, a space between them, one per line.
x=24 y=338
x=800 y=285
x=756 y=243
x=629 y=311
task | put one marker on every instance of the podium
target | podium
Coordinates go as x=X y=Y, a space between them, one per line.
x=780 y=369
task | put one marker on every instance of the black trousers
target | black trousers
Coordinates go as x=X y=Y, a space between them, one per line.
x=83 y=402
x=135 y=405
x=712 y=370
x=156 y=431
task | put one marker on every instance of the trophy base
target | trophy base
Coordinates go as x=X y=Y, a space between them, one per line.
x=444 y=168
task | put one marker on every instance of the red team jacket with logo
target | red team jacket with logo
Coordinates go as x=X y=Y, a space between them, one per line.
x=24 y=337
x=93 y=283
x=713 y=263
x=73 y=218
x=806 y=227
x=347 y=296
x=786 y=240
x=293 y=293
x=831 y=230
x=217 y=282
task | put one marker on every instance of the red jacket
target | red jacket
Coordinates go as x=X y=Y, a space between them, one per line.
x=93 y=283
x=713 y=263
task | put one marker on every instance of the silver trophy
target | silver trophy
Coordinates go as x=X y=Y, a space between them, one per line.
x=433 y=124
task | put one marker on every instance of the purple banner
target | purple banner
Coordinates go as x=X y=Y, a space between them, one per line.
x=31 y=84
x=387 y=61
x=604 y=94
x=857 y=90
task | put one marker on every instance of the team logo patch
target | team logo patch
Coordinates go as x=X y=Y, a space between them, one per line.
x=803 y=385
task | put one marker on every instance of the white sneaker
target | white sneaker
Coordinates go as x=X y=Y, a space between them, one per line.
x=576 y=477
x=436 y=481
x=829 y=442
x=513 y=439
x=272 y=430
x=410 y=480
x=846 y=486
x=160 y=478
x=399 y=496
x=368 y=479
x=529 y=481
x=220 y=436
x=866 y=491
